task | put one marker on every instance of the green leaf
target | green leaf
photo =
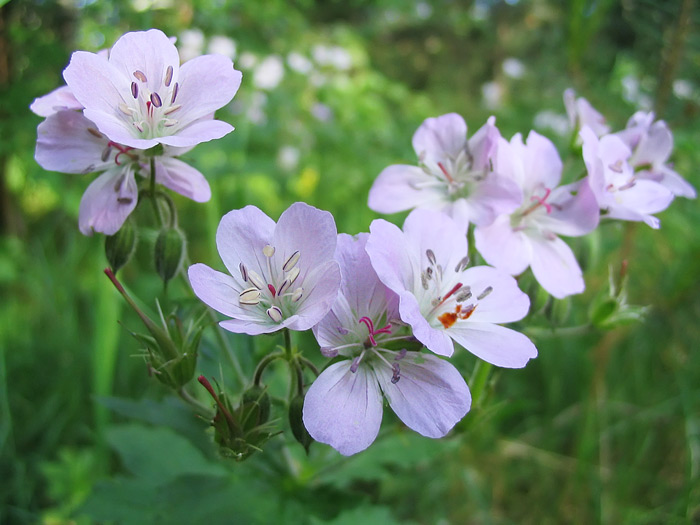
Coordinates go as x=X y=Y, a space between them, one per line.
x=158 y=454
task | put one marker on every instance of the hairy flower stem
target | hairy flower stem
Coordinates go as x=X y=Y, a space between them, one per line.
x=204 y=410
x=218 y=331
x=262 y=365
x=152 y=192
x=308 y=364
x=478 y=381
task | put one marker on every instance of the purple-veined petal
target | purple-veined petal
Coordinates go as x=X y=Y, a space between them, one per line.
x=483 y=144
x=308 y=230
x=505 y=303
x=494 y=344
x=100 y=87
x=59 y=99
x=439 y=137
x=674 y=182
x=502 y=247
x=207 y=83
x=196 y=133
x=148 y=52
x=654 y=146
x=391 y=257
x=401 y=187
x=430 y=397
x=115 y=127
x=182 y=178
x=361 y=287
x=108 y=201
x=541 y=163
x=640 y=201
x=66 y=144
x=241 y=236
x=321 y=286
x=435 y=340
x=344 y=409
x=219 y=291
x=492 y=197
x=555 y=267
x=574 y=210
x=430 y=230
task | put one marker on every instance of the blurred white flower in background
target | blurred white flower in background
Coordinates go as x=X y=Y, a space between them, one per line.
x=492 y=93
x=191 y=44
x=288 y=157
x=256 y=110
x=322 y=112
x=222 y=45
x=247 y=60
x=551 y=120
x=269 y=72
x=513 y=68
x=333 y=56
x=683 y=89
x=299 y=63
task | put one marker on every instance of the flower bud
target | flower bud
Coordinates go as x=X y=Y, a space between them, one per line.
x=169 y=252
x=610 y=309
x=171 y=349
x=296 y=406
x=255 y=408
x=242 y=431
x=121 y=246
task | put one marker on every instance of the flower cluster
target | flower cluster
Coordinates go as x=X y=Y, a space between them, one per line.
x=387 y=305
x=120 y=103
x=511 y=190
x=369 y=299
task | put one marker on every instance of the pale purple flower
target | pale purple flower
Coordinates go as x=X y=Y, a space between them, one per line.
x=70 y=143
x=140 y=96
x=617 y=188
x=454 y=175
x=582 y=114
x=282 y=275
x=651 y=144
x=344 y=406
x=529 y=235
x=444 y=300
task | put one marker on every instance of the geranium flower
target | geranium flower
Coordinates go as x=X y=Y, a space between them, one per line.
x=528 y=236
x=616 y=186
x=344 y=406
x=454 y=175
x=282 y=275
x=651 y=144
x=140 y=96
x=444 y=300
x=581 y=114
x=70 y=143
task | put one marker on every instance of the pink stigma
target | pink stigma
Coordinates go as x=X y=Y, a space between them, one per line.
x=540 y=201
x=272 y=290
x=372 y=332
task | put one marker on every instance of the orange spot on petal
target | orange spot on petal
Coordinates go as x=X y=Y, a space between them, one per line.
x=447 y=319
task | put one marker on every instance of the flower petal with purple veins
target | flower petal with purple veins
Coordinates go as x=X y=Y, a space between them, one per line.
x=108 y=201
x=430 y=396
x=344 y=409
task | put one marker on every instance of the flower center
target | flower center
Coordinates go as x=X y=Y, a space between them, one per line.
x=274 y=289
x=456 y=174
x=151 y=112
x=450 y=306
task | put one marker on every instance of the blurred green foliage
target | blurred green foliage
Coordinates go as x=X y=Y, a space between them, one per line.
x=601 y=427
